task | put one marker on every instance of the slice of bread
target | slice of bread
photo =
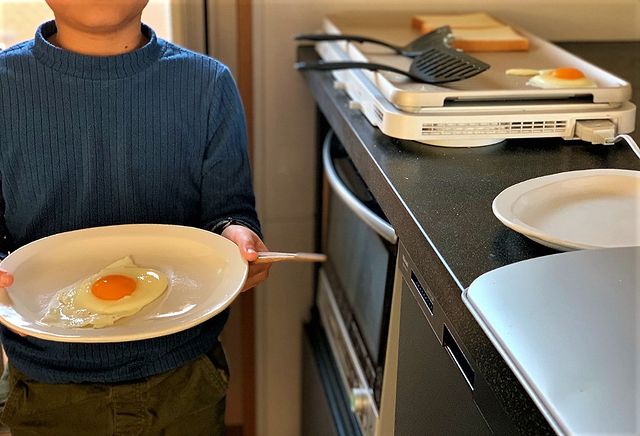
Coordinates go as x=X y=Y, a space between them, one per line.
x=474 y=32
x=427 y=23
x=502 y=38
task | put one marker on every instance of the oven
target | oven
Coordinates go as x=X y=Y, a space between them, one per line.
x=353 y=301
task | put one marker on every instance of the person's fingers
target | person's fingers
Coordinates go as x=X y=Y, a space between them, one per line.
x=257 y=275
x=250 y=244
x=255 y=268
x=247 y=246
x=6 y=279
x=252 y=283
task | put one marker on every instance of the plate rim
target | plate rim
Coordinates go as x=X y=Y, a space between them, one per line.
x=75 y=335
x=507 y=196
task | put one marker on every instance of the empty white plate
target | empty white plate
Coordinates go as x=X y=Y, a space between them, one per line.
x=597 y=208
x=206 y=272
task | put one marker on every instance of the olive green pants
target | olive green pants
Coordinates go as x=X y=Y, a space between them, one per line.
x=189 y=400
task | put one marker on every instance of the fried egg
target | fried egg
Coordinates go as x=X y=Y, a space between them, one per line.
x=561 y=78
x=556 y=78
x=120 y=289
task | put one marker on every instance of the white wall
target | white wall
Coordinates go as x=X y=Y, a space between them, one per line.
x=285 y=150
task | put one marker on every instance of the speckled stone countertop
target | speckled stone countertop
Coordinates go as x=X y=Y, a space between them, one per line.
x=439 y=201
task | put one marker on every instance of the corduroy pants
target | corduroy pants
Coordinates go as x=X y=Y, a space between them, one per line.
x=189 y=400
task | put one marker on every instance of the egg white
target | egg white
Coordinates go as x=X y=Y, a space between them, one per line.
x=76 y=306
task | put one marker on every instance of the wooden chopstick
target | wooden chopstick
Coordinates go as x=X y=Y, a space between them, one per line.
x=273 y=256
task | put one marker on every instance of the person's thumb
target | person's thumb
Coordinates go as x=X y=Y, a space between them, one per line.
x=248 y=249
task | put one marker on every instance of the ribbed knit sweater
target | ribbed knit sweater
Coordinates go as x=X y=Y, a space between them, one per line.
x=156 y=135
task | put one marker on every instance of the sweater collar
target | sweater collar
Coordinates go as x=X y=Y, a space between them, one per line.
x=95 y=67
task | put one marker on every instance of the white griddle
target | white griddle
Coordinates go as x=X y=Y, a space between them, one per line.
x=481 y=110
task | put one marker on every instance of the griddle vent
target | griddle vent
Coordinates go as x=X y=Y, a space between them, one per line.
x=489 y=128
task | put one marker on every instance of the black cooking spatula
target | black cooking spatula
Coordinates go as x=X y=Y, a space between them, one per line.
x=439 y=37
x=438 y=63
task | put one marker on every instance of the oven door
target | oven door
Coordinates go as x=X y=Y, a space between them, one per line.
x=356 y=282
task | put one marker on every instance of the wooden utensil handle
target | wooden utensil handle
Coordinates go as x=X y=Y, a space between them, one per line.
x=272 y=256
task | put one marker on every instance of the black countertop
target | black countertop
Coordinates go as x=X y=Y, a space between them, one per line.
x=439 y=201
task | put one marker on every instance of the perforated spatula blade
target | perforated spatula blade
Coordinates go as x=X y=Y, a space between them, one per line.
x=437 y=66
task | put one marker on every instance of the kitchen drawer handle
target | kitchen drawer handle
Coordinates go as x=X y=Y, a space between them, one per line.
x=377 y=224
x=450 y=344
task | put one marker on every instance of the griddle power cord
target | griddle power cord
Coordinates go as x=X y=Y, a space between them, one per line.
x=603 y=132
x=629 y=140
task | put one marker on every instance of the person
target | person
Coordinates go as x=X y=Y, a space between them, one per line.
x=103 y=123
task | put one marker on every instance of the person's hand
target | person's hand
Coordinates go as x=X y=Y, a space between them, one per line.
x=6 y=279
x=249 y=244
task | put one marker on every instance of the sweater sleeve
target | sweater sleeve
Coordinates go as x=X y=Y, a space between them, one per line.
x=227 y=191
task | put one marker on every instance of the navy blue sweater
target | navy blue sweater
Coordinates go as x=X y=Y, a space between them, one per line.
x=156 y=135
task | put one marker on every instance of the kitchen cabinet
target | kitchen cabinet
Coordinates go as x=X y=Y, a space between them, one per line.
x=439 y=201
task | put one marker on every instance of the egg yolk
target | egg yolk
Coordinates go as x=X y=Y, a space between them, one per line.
x=567 y=73
x=113 y=287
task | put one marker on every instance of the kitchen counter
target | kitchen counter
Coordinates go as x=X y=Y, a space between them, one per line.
x=439 y=201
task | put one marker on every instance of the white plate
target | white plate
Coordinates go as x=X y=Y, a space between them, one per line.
x=597 y=208
x=206 y=272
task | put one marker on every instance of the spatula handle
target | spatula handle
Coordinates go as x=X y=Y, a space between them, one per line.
x=330 y=66
x=334 y=37
x=272 y=256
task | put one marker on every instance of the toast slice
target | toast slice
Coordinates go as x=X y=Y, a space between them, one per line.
x=475 y=32
x=427 y=23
